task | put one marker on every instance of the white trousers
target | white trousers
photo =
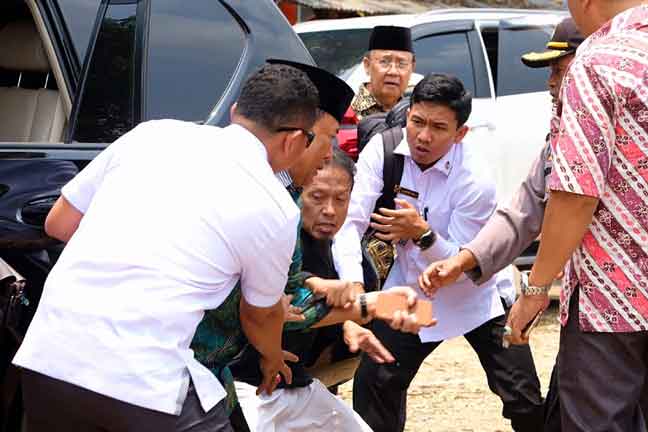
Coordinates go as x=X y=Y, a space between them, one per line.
x=304 y=409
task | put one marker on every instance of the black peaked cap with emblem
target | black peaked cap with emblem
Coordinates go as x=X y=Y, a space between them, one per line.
x=391 y=38
x=565 y=40
x=335 y=95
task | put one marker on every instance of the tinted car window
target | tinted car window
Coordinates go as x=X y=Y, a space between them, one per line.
x=445 y=53
x=107 y=106
x=193 y=50
x=337 y=51
x=79 y=16
x=513 y=77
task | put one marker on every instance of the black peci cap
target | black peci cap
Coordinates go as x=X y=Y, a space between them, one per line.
x=334 y=94
x=391 y=38
x=565 y=40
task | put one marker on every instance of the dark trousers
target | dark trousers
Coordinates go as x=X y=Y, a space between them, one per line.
x=601 y=377
x=552 y=403
x=52 y=405
x=380 y=390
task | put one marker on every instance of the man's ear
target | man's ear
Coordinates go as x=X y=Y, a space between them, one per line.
x=290 y=143
x=461 y=133
x=366 y=61
x=232 y=110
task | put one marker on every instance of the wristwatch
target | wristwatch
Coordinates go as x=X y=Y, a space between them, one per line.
x=426 y=240
x=364 y=312
x=530 y=290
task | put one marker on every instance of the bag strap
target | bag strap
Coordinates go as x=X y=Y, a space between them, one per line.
x=392 y=167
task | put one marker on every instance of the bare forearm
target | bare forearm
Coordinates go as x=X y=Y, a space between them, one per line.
x=467 y=260
x=567 y=219
x=353 y=313
x=62 y=220
x=263 y=327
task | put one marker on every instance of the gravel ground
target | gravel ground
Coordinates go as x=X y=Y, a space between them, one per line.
x=450 y=391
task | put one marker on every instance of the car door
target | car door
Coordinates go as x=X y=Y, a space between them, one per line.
x=144 y=59
x=32 y=172
x=523 y=102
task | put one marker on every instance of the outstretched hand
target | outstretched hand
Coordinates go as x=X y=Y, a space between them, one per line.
x=439 y=274
x=338 y=293
x=359 y=338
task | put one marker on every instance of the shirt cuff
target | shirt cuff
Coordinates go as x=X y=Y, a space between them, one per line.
x=262 y=299
x=351 y=272
x=586 y=187
x=72 y=195
x=483 y=271
x=440 y=250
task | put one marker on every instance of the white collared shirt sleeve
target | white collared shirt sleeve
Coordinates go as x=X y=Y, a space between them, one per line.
x=81 y=189
x=472 y=205
x=367 y=188
x=264 y=247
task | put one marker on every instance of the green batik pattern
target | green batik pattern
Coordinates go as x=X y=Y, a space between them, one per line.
x=313 y=308
x=218 y=339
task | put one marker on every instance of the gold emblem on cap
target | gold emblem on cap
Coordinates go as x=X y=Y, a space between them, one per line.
x=558 y=45
x=543 y=56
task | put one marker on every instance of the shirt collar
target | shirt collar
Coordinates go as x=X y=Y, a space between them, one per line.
x=285 y=178
x=364 y=100
x=243 y=133
x=443 y=165
x=629 y=19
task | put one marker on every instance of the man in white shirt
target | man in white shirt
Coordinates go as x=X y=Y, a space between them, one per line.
x=442 y=203
x=159 y=228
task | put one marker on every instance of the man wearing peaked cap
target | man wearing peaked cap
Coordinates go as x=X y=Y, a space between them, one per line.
x=563 y=44
x=513 y=228
x=389 y=63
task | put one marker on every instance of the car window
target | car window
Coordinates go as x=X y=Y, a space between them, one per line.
x=106 y=110
x=513 y=77
x=194 y=48
x=79 y=17
x=337 y=51
x=446 y=53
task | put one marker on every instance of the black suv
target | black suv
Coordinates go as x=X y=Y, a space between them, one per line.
x=77 y=74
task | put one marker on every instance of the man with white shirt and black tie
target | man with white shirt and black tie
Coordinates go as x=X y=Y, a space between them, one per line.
x=442 y=203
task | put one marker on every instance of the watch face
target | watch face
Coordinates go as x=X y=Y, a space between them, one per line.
x=427 y=240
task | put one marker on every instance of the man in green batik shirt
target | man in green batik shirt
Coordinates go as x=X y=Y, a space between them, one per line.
x=219 y=338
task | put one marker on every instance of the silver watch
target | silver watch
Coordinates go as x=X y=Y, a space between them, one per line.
x=530 y=290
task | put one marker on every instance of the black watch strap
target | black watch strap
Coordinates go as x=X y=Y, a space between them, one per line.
x=364 y=313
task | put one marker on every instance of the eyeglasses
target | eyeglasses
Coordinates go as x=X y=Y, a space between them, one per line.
x=310 y=136
x=386 y=62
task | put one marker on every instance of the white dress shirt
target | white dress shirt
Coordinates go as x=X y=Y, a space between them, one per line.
x=458 y=203
x=174 y=215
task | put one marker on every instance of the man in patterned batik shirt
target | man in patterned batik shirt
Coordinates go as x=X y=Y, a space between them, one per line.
x=597 y=219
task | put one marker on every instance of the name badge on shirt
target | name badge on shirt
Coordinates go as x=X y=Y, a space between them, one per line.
x=398 y=189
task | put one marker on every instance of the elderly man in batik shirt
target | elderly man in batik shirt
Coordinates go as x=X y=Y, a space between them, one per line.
x=389 y=64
